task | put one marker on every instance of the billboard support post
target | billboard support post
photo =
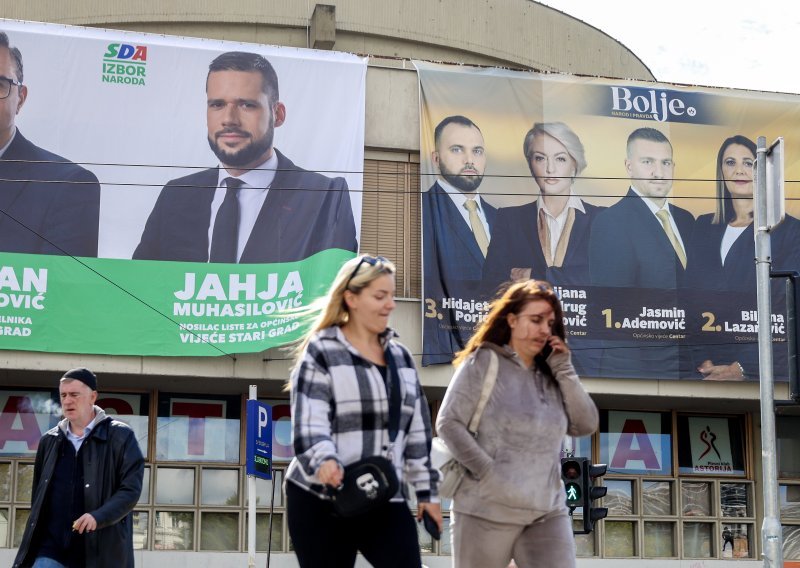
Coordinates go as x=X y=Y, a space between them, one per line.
x=771 y=536
x=258 y=463
x=251 y=504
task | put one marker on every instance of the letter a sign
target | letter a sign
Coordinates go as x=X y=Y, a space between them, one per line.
x=259 y=439
x=637 y=442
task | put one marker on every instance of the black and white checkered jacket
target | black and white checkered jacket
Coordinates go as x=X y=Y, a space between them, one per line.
x=340 y=410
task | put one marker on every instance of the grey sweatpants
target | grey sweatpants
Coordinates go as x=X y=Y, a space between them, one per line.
x=479 y=543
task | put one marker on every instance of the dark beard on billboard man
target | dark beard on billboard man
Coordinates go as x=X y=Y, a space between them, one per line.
x=467 y=184
x=246 y=155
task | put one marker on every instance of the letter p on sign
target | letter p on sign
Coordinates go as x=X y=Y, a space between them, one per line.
x=258 y=449
x=263 y=420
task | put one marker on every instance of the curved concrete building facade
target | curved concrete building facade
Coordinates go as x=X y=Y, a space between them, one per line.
x=510 y=33
x=656 y=521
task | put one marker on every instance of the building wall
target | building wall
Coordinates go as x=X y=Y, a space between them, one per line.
x=464 y=31
x=508 y=33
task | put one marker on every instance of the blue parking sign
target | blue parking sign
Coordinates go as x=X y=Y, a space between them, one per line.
x=259 y=439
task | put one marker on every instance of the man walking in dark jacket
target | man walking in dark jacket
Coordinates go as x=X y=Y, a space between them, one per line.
x=86 y=480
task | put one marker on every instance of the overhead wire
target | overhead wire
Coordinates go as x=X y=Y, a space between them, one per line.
x=110 y=281
x=350 y=190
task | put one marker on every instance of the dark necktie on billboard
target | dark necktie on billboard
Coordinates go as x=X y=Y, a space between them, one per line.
x=225 y=239
x=663 y=216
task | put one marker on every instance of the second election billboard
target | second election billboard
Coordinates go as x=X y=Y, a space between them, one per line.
x=634 y=200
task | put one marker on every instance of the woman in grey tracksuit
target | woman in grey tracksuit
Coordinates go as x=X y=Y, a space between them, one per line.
x=511 y=503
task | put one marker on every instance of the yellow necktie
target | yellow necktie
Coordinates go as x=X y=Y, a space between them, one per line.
x=663 y=216
x=477 y=226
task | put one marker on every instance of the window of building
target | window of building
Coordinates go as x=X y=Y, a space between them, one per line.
x=711 y=445
x=131 y=408
x=267 y=493
x=197 y=508
x=636 y=442
x=390 y=222
x=707 y=511
x=788 y=457
x=282 y=449
x=788 y=446
x=581 y=447
x=198 y=428
x=205 y=508
x=789 y=496
x=198 y=501
x=25 y=415
x=714 y=519
x=196 y=505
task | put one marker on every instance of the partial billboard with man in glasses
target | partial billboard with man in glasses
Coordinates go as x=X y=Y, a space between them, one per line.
x=49 y=204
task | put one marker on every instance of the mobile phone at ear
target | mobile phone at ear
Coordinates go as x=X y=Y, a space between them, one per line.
x=431 y=526
x=547 y=350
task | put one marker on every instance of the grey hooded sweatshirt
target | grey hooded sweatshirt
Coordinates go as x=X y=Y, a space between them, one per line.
x=514 y=465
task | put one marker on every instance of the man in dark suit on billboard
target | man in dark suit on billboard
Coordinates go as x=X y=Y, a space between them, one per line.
x=48 y=205
x=456 y=229
x=640 y=242
x=257 y=206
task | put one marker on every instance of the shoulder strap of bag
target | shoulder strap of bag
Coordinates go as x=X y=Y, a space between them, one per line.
x=393 y=386
x=486 y=391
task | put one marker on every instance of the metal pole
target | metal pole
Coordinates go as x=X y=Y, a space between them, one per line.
x=568 y=447
x=251 y=505
x=771 y=535
x=271 y=509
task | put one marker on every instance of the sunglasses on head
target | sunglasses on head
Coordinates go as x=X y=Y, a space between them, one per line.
x=371 y=260
x=542 y=287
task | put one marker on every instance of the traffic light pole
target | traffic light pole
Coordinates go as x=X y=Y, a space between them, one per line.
x=771 y=535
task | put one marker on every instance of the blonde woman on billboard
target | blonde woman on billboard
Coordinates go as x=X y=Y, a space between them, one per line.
x=722 y=251
x=511 y=502
x=547 y=238
x=355 y=395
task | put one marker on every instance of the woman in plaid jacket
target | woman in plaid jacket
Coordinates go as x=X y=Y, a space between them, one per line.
x=340 y=412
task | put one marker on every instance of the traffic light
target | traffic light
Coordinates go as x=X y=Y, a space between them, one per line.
x=592 y=514
x=792 y=333
x=578 y=475
x=572 y=474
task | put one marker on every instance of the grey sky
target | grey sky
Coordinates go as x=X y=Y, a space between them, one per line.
x=747 y=45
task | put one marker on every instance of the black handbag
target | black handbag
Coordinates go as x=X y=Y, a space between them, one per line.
x=372 y=481
x=367 y=484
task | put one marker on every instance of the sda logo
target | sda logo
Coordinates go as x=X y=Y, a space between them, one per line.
x=124 y=63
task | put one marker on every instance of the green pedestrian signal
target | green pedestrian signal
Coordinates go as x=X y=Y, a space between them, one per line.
x=573 y=494
x=572 y=476
x=578 y=476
